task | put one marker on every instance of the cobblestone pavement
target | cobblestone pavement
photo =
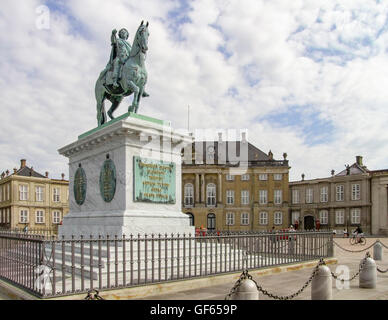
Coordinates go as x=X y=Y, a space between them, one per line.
x=287 y=283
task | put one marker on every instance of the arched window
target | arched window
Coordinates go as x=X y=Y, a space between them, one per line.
x=211 y=221
x=189 y=195
x=191 y=216
x=211 y=194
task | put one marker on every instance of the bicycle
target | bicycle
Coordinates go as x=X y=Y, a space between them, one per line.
x=357 y=240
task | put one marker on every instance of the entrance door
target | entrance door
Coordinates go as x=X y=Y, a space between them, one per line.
x=309 y=223
x=211 y=222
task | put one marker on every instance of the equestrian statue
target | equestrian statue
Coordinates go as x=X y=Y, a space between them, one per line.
x=124 y=74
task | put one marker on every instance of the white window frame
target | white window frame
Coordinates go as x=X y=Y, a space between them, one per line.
x=340 y=192
x=278 y=176
x=230 y=218
x=295 y=215
x=24 y=216
x=189 y=195
x=56 y=194
x=324 y=194
x=263 y=218
x=309 y=195
x=211 y=194
x=324 y=217
x=57 y=217
x=244 y=218
x=263 y=176
x=263 y=196
x=229 y=196
x=340 y=216
x=23 y=192
x=356 y=191
x=39 y=217
x=278 y=218
x=38 y=193
x=278 y=196
x=244 y=197
x=295 y=195
x=229 y=177
x=245 y=177
x=355 y=215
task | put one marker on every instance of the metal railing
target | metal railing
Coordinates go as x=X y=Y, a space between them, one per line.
x=46 y=232
x=69 y=266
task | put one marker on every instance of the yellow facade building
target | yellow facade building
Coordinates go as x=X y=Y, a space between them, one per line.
x=234 y=186
x=28 y=198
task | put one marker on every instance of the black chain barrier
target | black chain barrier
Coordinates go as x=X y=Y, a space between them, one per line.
x=95 y=296
x=354 y=251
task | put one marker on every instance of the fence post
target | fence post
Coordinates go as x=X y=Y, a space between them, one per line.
x=321 y=287
x=247 y=290
x=368 y=274
x=378 y=251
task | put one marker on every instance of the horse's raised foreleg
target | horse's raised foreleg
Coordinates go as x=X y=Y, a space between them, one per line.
x=130 y=85
x=100 y=97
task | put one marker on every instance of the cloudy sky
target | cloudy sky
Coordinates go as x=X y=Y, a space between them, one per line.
x=305 y=77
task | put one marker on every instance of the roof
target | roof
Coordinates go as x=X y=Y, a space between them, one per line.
x=230 y=153
x=28 y=172
x=355 y=168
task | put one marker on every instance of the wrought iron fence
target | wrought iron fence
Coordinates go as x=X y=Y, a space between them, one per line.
x=46 y=232
x=69 y=266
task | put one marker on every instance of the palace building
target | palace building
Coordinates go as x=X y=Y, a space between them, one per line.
x=342 y=201
x=28 y=198
x=234 y=186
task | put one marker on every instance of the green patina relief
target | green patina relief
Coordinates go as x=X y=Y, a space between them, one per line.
x=80 y=186
x=108 y=180
x=154 y=181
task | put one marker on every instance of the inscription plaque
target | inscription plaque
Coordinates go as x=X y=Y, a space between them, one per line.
x=154 y=181
x=108 y=180
x=80 y=186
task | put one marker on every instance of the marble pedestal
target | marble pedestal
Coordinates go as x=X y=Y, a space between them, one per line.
x=122 y=140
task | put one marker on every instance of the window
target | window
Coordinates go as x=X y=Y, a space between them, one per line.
x=244 y=218
x=263 y=176
x=23 y=216
x=229 y=177
x=295 y=216
x=295 y=196
x=23 y=192
x=211 y=194
x=189 y=195
x=278 y=196
x=39 y=216
x=8 y=215
x=39 y=194
x=324 y=217
x=245 y=177
x=355 y=215
x=191 y=217
x=56 y=196
x=339 y=193
x=244 y=197
x=2 y=215
x=277 y=176
x=211 y=221
x=309 y=195
x=263 y=218
x=278 y=218
x=339 y=216
x=355 y=191
x=324 y=194
x=229 y=196
x=56 y=217
x=230 y=218
x=263 y=196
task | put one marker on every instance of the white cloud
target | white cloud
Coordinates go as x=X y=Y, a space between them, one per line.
x=279 y=54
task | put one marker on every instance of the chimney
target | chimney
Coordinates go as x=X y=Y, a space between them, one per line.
x=47 y=173
x=219 y=137
x=270 y=155
x=359 y=160
x=243 y=137
x=22 y=163
x=302 y=176
x=63 y=176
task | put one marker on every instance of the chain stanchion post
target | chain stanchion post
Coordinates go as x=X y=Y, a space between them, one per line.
x=378 y=251
x=321 y=285
x=368 y=273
